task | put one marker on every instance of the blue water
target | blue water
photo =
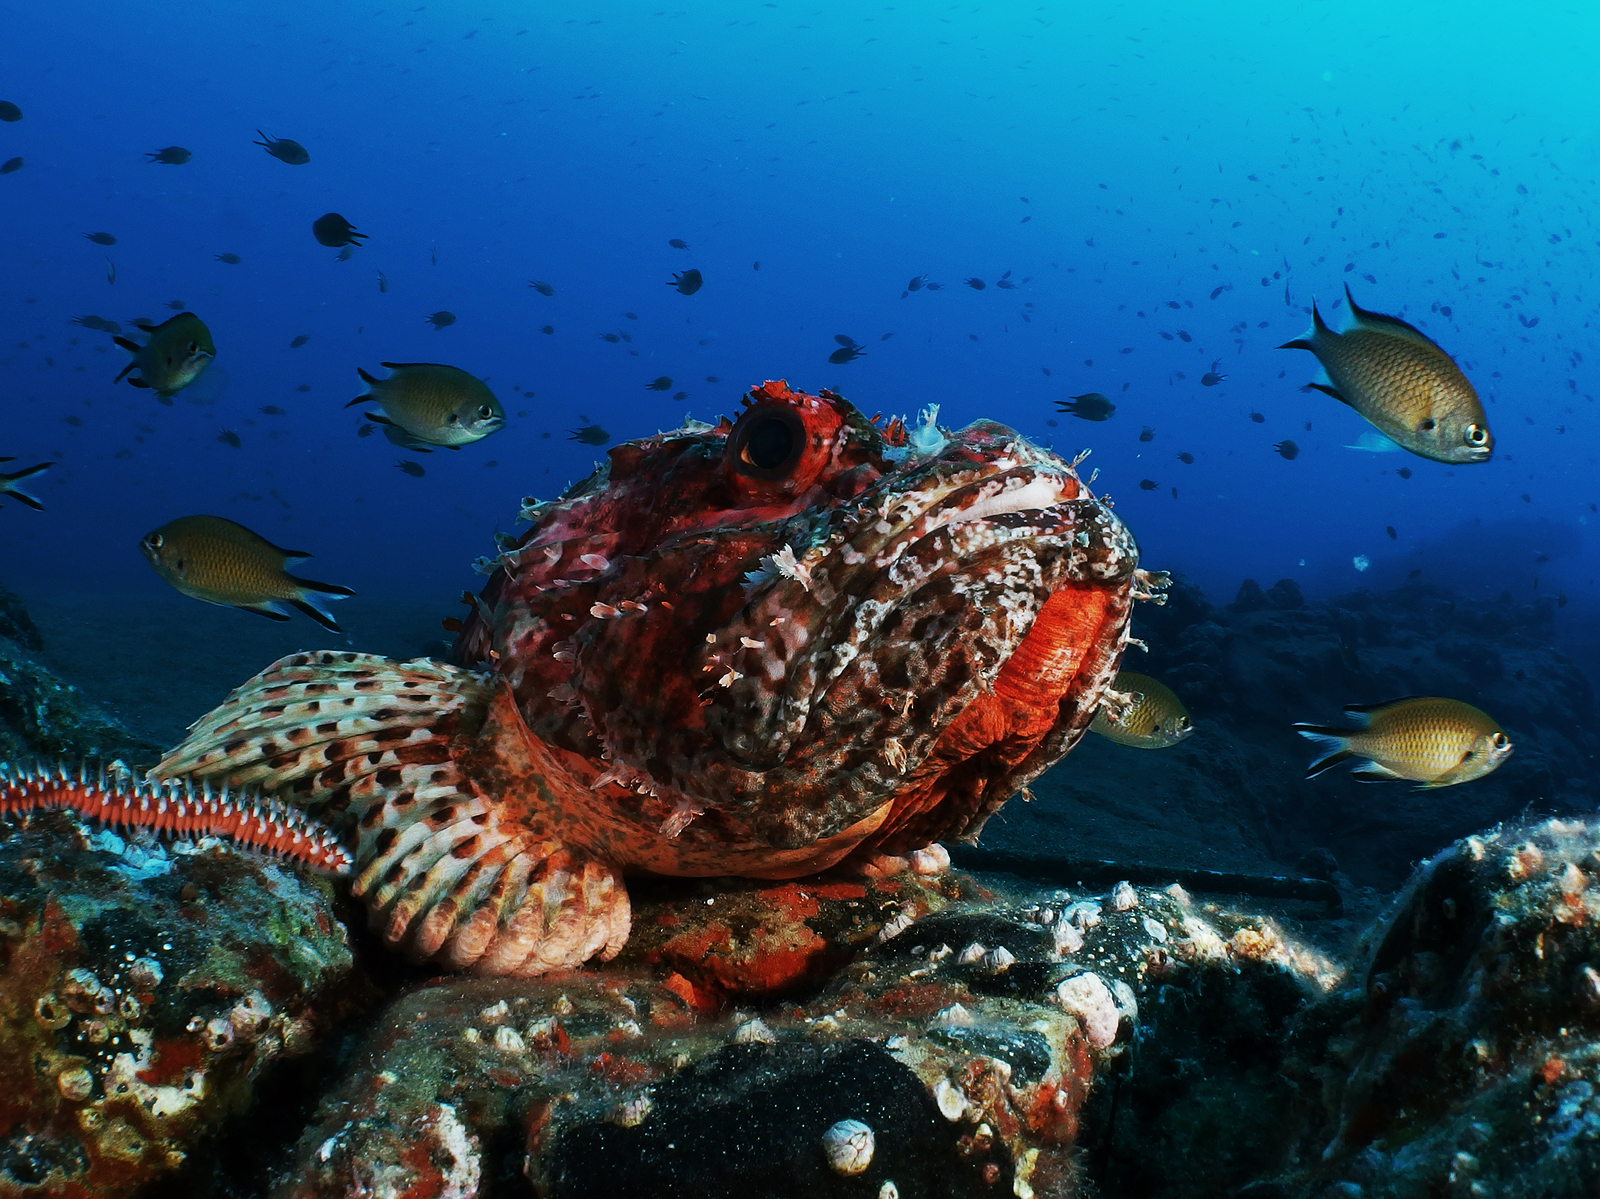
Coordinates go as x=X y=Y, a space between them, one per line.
x=1112 y=158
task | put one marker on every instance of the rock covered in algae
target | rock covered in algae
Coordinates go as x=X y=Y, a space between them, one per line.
x=143 y=991
x=752 y=940
x=1469 y=1062
x=967 y=1042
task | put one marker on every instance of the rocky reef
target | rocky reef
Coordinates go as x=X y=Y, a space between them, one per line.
x=188 y=1019
x=42 y=716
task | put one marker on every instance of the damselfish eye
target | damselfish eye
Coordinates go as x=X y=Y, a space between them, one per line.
x=154 y=541
x=485 y=412
x=194 y=346
x=1500 y=741
x=769 y=446
x=1477 y=434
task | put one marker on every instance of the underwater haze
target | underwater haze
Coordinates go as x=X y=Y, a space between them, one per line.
x=1152 y=195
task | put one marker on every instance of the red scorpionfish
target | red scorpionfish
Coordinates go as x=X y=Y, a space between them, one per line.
x=757 y=648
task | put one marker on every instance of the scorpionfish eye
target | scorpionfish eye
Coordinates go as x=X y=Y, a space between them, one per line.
x=782 y=442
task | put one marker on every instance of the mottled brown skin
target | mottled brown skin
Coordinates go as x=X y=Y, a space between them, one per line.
x=753 y=649
x=981 y=672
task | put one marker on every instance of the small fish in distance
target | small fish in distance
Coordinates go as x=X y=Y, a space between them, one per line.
x=1431 y=741
x=1186 y=458
x=9 y=483
x=686 y=282
x=589 y=434
x=101 y=239
x=10 y=165
x=229 y=437
x=846 y=354
x=299 y=341
x=663 y=383
x=174 y=354
x=230 y=259
x=283 y=149
x=1089 y=406
x=441 y=319
x=1286 y=449
x=1403 y=383
x=219 y=561
x=172 y=156
x=677 y=243
x=414 y=469
x=543 y=288
x=975 y=283
x=1148 y=485
x=9 y=111
x=332 y=230
x=917 y=284
x=1211 y=378
x=1147 y=434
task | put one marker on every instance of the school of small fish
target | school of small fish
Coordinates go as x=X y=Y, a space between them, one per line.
x=1385 y=369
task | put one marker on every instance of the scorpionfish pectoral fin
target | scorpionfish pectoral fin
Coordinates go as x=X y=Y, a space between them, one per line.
x=432 y=769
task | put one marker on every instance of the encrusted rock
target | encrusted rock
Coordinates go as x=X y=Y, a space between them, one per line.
x=138 y=1004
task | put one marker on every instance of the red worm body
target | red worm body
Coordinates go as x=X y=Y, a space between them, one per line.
x=173 y=807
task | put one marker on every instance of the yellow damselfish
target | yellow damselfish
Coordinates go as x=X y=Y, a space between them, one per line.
x=1399 y=379
x=220 y=561
x=1433 y=742
x=426 y=405
x=1157 y=719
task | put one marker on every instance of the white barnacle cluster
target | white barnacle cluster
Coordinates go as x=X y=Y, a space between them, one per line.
x=120 y=1051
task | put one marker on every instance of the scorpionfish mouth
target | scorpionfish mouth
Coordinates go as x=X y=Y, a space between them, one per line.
x=766 y=631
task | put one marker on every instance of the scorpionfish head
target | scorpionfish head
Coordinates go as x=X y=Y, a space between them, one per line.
x=767 y=631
